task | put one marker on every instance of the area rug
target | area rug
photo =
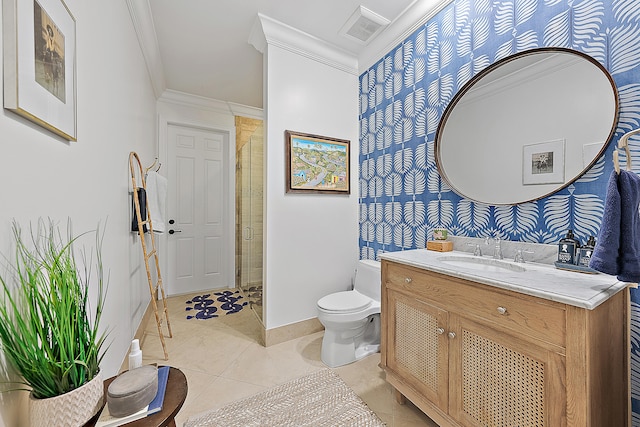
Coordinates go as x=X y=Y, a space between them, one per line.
x=209 y=306
x=321 y=399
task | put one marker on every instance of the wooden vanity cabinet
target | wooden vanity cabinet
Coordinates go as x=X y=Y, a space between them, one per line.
x=469 y=354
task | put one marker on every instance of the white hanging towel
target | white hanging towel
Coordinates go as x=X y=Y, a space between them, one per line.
x=157 y=200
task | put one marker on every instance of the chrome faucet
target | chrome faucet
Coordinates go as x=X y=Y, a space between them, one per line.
x=497 y=248
x=476 y=250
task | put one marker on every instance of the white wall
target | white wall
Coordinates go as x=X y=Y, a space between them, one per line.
x=88 y=180
x=311 y=239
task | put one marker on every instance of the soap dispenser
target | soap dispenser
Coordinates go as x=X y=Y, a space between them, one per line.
x=568 y=249
x=586 y=251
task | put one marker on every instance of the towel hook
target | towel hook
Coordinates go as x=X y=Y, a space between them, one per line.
x=153 y=165
x=624 y=144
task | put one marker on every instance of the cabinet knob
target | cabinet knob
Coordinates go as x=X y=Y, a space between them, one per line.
x=502 y=310
x=440 y=331
x=452 y=335
x=408 y=279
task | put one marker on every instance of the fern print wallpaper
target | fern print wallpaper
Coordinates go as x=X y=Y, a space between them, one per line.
x=403 y=96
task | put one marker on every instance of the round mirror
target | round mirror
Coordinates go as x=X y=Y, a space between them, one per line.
x=526 y=126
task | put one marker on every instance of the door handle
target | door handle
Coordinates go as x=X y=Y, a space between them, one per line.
x=175 y=231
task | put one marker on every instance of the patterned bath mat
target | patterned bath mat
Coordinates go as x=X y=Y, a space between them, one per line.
x=209 y=306
x=321 y=399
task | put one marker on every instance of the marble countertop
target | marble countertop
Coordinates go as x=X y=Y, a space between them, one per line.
x=539 y=280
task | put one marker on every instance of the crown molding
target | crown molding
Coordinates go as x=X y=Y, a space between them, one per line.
x=207 y=104
x=140 y=13
x=257 y=38
x=410 y=20
x=246 y=111
x=200 y=102
x=268 y=31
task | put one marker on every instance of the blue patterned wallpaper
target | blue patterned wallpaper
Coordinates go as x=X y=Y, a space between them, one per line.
x=402 y=97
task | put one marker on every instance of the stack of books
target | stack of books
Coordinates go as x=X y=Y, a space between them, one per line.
x=107 y=420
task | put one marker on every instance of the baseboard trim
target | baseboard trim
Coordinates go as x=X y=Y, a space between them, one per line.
x=268 y=337
x=139 y=334
x=143 y=322
x=289 y=332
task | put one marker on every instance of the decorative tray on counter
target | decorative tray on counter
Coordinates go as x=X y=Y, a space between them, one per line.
x=573 y=267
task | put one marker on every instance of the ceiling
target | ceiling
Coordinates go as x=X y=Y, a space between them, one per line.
x=203 y=47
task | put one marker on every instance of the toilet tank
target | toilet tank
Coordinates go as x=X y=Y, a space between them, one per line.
x=368 y=279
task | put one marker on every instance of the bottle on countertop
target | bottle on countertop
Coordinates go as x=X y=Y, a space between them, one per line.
x=586 y=251
x=568 y=249
x=135 y=356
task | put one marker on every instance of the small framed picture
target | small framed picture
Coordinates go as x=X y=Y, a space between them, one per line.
x=543 y=163
x=316 y=164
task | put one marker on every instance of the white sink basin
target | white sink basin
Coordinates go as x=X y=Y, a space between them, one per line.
x=482 y=264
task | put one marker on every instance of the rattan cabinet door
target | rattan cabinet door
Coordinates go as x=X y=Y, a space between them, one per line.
x=499 y=380
x=418 y=347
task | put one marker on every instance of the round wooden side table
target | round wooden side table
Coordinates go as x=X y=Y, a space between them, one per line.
x=173 y=400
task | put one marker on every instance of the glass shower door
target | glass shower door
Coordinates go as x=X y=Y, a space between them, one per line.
x=249 y=204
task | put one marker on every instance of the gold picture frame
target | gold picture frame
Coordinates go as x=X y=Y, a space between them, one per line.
x=39 y=45
x=316 y=164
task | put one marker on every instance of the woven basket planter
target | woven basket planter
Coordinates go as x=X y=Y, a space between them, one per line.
x=71 y=409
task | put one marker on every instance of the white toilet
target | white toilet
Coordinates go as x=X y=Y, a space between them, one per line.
x=351 y=319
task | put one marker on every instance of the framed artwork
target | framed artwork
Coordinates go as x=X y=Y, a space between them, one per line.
x=543 y=163
x=316 y=164
x=40 y=63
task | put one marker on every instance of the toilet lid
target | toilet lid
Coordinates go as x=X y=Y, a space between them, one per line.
x=344 y=302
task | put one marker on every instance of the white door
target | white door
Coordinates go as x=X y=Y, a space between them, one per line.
x=197 y=203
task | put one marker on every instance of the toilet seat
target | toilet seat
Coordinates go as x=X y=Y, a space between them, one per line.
x=344 y=302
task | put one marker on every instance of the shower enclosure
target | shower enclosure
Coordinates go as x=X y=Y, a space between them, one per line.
x=249 y=210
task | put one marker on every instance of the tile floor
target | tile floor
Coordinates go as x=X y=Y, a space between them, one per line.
x=224 y=362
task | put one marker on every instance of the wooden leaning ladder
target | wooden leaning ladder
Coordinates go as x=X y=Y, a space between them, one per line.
x=153 y=289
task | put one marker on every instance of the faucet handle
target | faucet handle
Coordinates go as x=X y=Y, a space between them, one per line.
x=476 y=250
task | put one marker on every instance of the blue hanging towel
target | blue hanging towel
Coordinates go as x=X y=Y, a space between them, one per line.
x=617 y=250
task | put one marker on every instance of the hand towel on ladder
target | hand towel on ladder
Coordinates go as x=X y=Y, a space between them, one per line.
x=617 y=250
x=142 y=201
x=156 y=200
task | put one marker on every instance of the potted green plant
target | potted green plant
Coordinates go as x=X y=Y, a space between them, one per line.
x=49 y=329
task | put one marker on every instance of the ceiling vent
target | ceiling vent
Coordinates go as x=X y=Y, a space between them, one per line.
x=363 y=25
